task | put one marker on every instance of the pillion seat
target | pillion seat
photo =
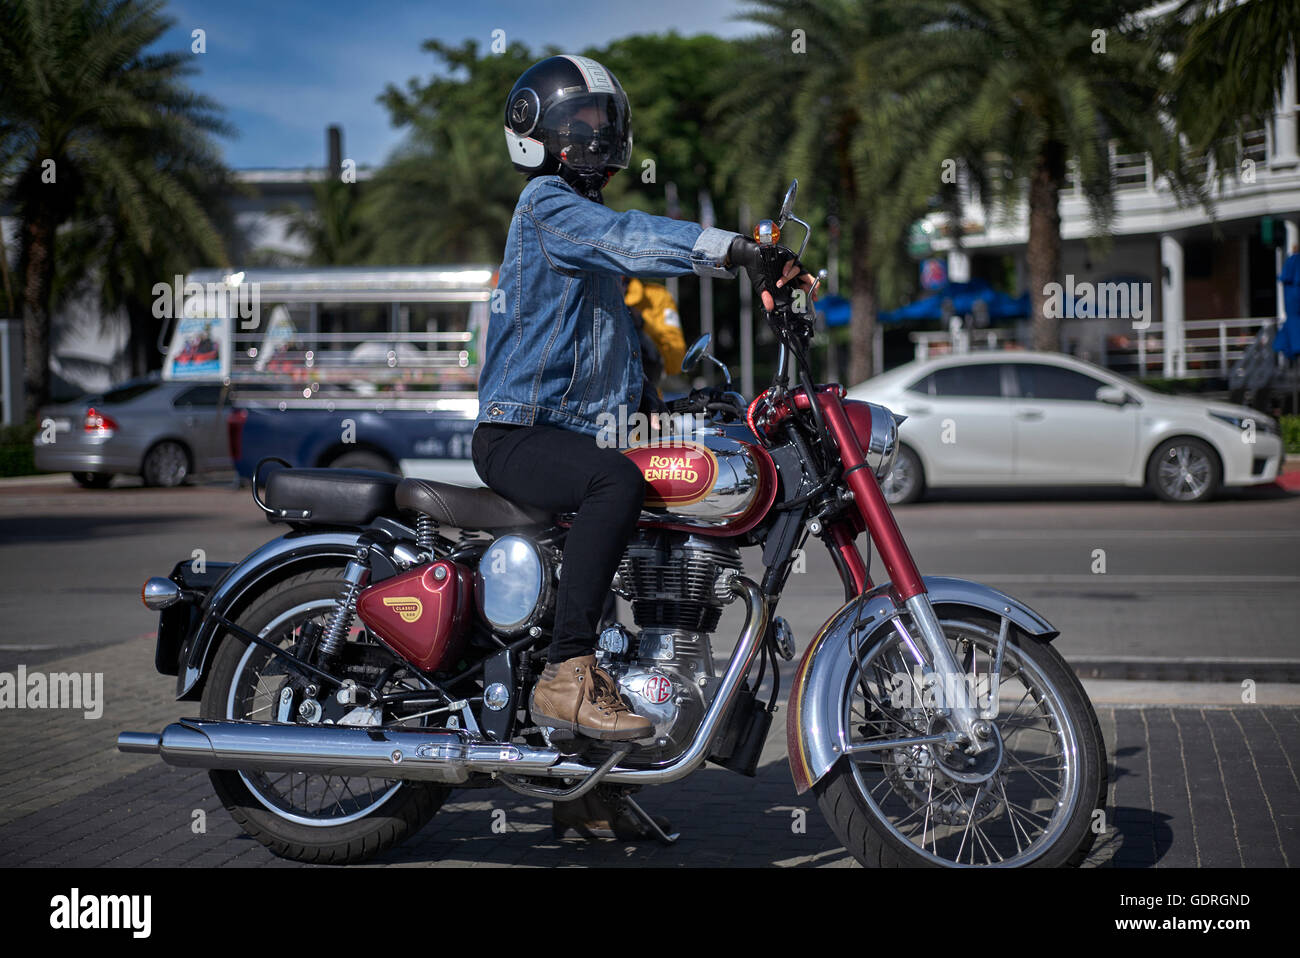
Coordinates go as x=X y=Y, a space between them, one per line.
x=343 y=497
x=466 y=508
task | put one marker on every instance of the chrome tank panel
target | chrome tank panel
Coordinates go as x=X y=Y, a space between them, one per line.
x=709 y=482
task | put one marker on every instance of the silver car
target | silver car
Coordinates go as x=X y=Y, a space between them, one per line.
x=162 y=431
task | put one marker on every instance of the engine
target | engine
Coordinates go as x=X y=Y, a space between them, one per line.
x=664 y=666
x=665 y=669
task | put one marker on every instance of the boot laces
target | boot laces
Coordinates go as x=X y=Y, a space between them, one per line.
x=604 y=694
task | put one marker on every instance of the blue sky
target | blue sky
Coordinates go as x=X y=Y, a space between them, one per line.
x=285 y=69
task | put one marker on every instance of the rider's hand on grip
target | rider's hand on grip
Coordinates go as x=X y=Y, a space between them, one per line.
x=767 y=266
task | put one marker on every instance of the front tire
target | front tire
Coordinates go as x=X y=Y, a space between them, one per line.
x=288 y=812
x=897 y=808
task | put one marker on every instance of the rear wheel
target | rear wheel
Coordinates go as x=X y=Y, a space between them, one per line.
x=1184 y=470
x=365 y=460
x=92 y=480
x=166 y=465
x=308 y=817
x=906 y=481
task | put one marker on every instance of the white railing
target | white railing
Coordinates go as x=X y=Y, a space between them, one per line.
x=1211 y=346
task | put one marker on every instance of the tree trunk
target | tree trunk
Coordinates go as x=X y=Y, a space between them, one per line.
x=38 y=282
x=862 y=302
x=1044 y=251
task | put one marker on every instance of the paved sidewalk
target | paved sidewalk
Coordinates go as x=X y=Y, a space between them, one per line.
x=1190 y=786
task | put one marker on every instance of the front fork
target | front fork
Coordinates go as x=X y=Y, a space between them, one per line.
x=975 y=731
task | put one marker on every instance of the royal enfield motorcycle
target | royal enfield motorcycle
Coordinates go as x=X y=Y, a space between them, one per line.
x=354 y=671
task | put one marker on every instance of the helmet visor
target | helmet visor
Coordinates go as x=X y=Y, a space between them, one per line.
x=589 y=132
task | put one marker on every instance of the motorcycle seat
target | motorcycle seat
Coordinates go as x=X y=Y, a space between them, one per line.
x=465 y=507
x=344 y=497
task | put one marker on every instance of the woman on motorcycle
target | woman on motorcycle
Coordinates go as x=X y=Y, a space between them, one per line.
x=562 y=349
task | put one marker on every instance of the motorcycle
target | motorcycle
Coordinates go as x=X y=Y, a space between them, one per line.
x=355 y=670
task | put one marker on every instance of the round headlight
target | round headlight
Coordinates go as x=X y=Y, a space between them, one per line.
x=882 y=449
x=513 y=583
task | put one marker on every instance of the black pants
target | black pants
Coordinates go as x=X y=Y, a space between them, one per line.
x=565 y=471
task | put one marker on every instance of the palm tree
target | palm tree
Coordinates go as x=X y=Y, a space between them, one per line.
x=1024 y=88
x=332 y=229
x=808 y=98
x=447 y=193
x=1229 y=69
x=94 y=127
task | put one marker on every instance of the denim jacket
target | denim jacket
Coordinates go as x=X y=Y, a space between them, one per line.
x=561 y=345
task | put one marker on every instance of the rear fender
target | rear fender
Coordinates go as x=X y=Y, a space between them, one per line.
x=815 y=730
x=280 y=558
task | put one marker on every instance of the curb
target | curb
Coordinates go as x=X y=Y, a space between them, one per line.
x=40 y=479
x=1198 y=671
x=1190 y=694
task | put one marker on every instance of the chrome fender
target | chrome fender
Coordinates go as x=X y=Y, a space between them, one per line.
x=277 y=559
x=815 y=734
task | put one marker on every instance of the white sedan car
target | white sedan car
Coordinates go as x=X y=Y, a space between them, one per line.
x=1045 y=419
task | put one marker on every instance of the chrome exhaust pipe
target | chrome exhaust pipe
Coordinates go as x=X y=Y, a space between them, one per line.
x=448 y=756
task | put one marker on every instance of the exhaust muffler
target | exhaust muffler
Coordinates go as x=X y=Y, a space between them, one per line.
x=447 y=756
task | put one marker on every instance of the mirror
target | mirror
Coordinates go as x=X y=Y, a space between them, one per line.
x=1114 y=395
x=787 y=205
x=695 y=353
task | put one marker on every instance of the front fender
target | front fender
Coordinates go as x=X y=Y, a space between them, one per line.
x=814 y=723
x=279 y=558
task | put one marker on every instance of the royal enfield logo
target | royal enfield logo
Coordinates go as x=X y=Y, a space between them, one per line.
x=407 y=606
x=658 y=690
x=680 y=468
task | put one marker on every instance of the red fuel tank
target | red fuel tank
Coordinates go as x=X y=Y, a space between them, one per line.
x=712 y=485
x=422 y=614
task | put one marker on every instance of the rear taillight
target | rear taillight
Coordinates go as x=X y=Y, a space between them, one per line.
x=235 y=431
x=98 y=422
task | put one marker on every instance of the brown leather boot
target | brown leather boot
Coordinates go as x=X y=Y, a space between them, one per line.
x=575 y=694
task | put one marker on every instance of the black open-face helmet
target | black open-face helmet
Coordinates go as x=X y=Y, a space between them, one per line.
x=569 y=115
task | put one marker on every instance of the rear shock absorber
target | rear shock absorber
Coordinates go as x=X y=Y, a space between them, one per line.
x=336 y=631
x=426 y=533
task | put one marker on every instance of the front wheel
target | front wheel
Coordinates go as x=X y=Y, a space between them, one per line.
x=329 y=819
x=1031 y=800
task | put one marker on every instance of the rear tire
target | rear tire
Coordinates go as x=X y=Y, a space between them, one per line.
x=366 y=460
x=166 y=465
x=397 y=813
x=1184 y=470
x=906 y=481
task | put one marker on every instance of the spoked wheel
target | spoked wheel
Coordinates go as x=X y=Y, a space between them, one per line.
x=310 y=817
x=1028 y=800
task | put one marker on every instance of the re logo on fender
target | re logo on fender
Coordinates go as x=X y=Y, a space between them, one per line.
x=407 y=606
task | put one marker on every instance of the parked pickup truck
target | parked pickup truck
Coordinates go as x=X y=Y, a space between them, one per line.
x=411 y=441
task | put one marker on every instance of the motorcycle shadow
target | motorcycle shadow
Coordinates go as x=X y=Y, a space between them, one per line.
x=724 y=820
